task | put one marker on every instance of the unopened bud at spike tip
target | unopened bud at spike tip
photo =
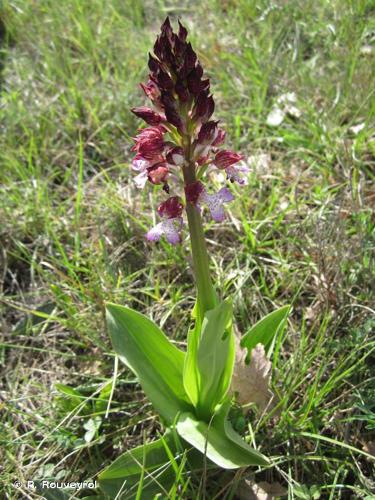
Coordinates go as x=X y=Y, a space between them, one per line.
x=148 y=115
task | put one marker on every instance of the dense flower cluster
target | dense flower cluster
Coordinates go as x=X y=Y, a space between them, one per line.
x=181 y=143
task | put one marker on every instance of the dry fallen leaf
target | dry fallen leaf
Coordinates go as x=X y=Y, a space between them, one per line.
x=250 y=382
x=249 y=490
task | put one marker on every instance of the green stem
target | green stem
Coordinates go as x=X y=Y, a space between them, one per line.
x=207 y=298
x=206 y=293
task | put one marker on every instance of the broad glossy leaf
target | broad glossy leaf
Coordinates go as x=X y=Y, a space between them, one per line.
x=158 y=364
x=218 y=441
x=125 y=473
x=215 y=357
x=264 y=331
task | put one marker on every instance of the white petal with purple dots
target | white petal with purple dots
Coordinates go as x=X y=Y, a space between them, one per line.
x=215 y=202
x=170 y=228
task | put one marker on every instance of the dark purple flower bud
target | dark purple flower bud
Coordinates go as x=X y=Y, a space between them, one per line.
x=210 y=108
x=208 y=132
x=199 y=70
x=174 y=118
x=201 y=104
x=182 y=32
x=181 y=91
x=190 y=59
x=148 y=115
x=158 y=173
x=226 y=158
x=194 y=82
x=166 y=51
x=150 y=142
x=193 y=191
x=168 y=100
x=153 y=64
x=170 y=110
x=171 y=208
x=166 y=28
x=162 y=47
x=176 y=156
x=179 y=47
x=164 y=80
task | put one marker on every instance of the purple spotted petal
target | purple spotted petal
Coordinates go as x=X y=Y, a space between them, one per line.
x=225 y=195
x=215 y=202
x=237 y=173
x=170 y=228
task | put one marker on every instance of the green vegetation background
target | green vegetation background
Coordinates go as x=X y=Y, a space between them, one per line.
x=72 y=231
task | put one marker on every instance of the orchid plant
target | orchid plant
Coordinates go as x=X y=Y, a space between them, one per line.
x=180 y=150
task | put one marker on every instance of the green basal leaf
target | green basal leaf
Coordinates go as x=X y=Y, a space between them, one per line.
x=215 y=358
x=265 y=330
x=191 y=376
x=218 y=441
x=158 y=364
x=148 y=463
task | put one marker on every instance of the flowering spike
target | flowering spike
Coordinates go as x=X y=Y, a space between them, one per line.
x=181 y=135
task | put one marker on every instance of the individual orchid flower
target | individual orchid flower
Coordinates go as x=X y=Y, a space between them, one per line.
x=170 y=226
x=197 y=194
x=150 y=142
x=215 y=202
x=155 y=170
x=226 y=160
